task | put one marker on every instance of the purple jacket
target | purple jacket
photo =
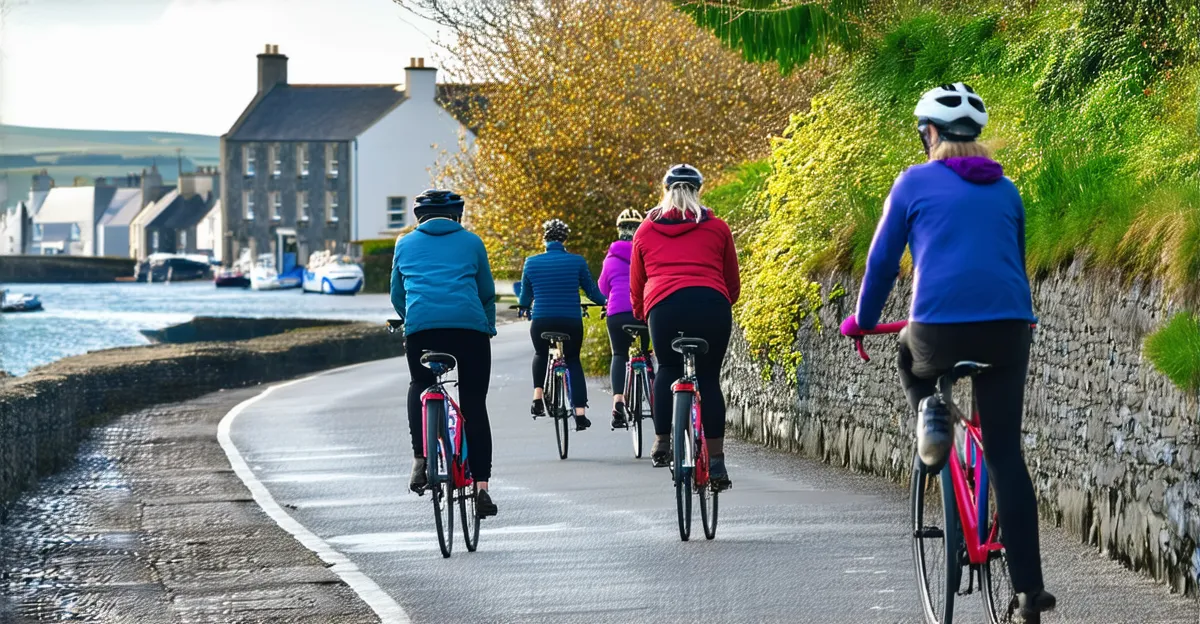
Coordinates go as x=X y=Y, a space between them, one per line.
x=614 y=277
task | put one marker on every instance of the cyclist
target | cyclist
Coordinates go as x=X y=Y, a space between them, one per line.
x=550 y=283
x=443 y=290
x=684 y=278
x=964 y=223
x=614 y=283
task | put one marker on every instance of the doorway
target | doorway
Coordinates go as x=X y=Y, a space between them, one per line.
x=286 y=250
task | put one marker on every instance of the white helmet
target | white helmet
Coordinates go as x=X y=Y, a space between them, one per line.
x=955 y=109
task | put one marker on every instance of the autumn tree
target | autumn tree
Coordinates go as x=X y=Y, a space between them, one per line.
x=588 y=103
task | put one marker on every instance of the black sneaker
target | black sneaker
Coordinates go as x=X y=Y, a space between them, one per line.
x=539 y=409
x=582 y=422
x=718 y=476
x=933 y=432
x=418 y=480
x=1033 y=604
x=618 y=421
x=661 y=459
x=484 y=506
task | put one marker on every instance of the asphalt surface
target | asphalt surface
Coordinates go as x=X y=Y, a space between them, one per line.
x=594 y=539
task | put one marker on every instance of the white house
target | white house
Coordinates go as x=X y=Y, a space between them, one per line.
x=209 y=232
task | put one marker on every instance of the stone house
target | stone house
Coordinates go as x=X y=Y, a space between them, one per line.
x=316 y=167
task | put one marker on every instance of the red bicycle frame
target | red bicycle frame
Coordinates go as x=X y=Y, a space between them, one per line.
x=458 y=469
x=700 y=472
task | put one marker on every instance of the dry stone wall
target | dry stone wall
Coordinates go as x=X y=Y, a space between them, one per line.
x=1112 y=445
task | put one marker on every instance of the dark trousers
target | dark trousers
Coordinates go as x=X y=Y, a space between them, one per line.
x=927 y=351
x=571 y=349
x=697 y=312
x=621 y=342
x=473 y=350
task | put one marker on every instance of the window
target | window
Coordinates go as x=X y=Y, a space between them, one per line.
x=154 y=240
x=182 y=240
x=75 y=233
x=38 y=232
x=331 y=160
x=276 y=162
x=248 y=205
x=302 y=159
x=397 y=212
x=276 y=206
x=302 y=206
x=248 y=158
x=331 y=205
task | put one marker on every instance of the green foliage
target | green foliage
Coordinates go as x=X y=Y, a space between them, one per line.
x=597 y=351
x=736 y=199
x=1105 y=154
x=377 y=264
x=1175 y=350
x=783 y=31
x=380 y=246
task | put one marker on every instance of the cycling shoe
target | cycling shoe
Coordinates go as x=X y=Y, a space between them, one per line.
x=418 y=480
x=484 y=507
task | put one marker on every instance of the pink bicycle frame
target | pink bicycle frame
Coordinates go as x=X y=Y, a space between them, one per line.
x=458 y=470
x=700 y=477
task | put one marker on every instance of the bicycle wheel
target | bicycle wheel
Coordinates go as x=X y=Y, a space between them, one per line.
x=562 y=416
x=999 y=597
x=681 y=437
x=935 y=548
x=707 y=497
x=633 y=411
x=469 y=516
x=439 y=472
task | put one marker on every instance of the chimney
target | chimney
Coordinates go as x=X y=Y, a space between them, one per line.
x=420 y=82
x=42 y=181
x=152 y=181
x=272 y=68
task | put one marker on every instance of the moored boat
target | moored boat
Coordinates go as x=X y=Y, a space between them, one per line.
x=18 y=302
x=264 y=276
x=331 y=274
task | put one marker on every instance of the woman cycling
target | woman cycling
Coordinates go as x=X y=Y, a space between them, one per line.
x=964 y=223
x=550 y=283
x=443 y=290
x=683 y=278
x=614 y=283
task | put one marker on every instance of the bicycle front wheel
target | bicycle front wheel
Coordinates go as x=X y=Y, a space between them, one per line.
x=936 y=539
x=999 y=597
x=562 y=416
x=469 y=516
x=633 y=412
x=682 y=473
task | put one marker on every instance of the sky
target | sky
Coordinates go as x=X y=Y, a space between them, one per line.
x=188 y=65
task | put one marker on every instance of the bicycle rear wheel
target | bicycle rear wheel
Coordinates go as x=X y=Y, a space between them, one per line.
x=936 y=542
x=681 y=440
x=633 y=411
x=469 y=516
x=706 y=496
x=562 y=416
x=439 y=474
x=999 y=597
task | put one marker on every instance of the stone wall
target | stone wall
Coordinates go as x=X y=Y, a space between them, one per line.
x=1112 y=445
x=44 y=414
x=63 y=269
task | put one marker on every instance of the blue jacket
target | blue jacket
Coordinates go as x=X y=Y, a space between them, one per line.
x=964 y=223
x=551 y=282
x=441 y=279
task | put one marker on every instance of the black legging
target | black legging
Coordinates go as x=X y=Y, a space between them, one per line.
x=473 y=350
x=927 y=351
x=621 y=342
x=541 y=348
x=698 y=312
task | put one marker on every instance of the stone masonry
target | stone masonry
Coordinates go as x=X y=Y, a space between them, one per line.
x=1112 y=445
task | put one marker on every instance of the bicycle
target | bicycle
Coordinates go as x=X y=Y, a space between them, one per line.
x=689 y=468
x=969 y=535
x=448 y=476
x=639 y=386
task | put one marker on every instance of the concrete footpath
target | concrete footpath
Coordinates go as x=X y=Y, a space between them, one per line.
x=151 y=525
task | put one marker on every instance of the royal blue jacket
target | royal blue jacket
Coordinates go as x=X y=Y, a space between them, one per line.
x=441 y=279
x=550 y=282
x=964 y=223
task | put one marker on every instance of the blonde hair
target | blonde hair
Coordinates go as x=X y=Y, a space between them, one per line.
x=959 y=149
x=682 y=197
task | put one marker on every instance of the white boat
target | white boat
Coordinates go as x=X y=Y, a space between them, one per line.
x=264 y=276
x=18 y=302
x=330 y=274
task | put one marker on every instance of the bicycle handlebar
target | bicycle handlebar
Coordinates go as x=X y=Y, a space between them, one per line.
x=395 y=325
x=886 y=328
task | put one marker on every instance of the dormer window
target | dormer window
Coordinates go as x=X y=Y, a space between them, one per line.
x=248 y=158
x=331 y=168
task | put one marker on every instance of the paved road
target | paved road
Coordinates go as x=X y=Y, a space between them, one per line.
x=593 y=538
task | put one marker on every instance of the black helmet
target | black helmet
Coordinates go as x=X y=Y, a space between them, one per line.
x=555 y=230
x=683 y=174
x=435 y=202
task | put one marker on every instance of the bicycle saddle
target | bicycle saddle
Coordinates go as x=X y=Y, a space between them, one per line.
x=966 y=369
x=555 y=337
x=444 y=360
x=635 y=330
x=690 y=345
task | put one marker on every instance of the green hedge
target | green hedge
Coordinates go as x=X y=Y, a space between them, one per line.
x=377 y=265
x=1175 y=350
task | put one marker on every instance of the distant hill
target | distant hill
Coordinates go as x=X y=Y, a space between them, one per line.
x=67 y=154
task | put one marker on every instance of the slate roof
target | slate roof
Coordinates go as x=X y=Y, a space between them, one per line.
x=317 y=112
x=69 y=204
x=182 y=213
x=125 y=205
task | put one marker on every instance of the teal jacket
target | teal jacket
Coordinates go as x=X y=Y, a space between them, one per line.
x=550 y=282
x=441 y=279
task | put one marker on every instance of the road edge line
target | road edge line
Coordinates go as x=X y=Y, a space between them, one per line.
x=379 y=601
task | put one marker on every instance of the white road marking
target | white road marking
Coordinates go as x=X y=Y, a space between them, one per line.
x=384 y=606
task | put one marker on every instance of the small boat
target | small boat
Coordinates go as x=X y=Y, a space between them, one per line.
x=17 y=302
x=237 y=276
x=165 y=267
x=264 y=276
x=332 y=275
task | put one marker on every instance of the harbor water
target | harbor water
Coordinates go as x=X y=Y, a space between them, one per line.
x=87 y=317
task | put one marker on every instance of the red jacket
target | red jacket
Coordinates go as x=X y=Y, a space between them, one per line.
x=669 y=256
